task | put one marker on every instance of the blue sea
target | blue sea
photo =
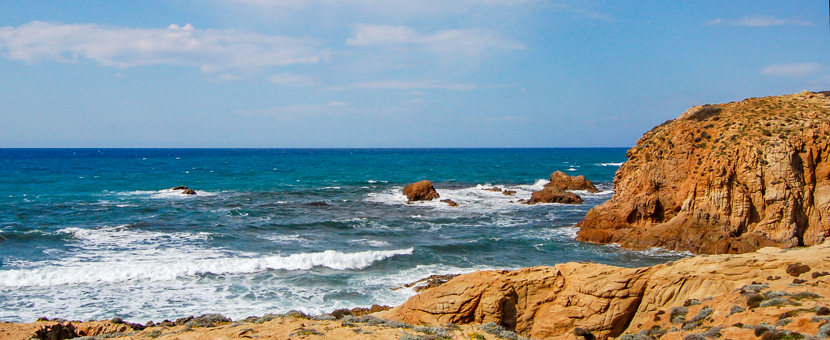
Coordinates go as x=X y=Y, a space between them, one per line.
x=97 y=233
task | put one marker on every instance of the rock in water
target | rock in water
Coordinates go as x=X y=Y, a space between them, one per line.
x=554 y=195
x=725 y=178
x=184 y=190
x=562 y=181
x=450 y=202
x=420 y=191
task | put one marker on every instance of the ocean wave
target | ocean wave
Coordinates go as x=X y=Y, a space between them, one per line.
x=110 y=272
x=166 y=194
x=610 y=164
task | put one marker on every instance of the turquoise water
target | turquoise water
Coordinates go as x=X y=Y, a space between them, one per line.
x=87 y=233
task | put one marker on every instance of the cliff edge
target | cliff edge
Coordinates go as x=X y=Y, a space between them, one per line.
x=725 y=178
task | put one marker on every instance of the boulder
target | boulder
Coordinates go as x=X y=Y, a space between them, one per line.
x=492 y=189
x=509 y=192
x=554 y=195
x=420 y=191
x=562 y=181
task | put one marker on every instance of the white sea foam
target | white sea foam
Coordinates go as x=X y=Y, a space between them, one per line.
x=167 y=194
x=120 y=271
x=610 y=164
x=469 y=199
x=370 y=243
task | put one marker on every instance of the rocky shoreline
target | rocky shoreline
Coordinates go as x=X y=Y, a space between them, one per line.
x=748 y=180
x=770 y=294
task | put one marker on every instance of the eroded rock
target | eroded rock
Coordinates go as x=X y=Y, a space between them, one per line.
x=725 y=178
x=420 y=191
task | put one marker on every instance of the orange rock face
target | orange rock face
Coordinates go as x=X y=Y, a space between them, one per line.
x=554 y=191
x=420 y=191
x=562 y=181
x=725 y=178
x=607 y=301
x=554 y=195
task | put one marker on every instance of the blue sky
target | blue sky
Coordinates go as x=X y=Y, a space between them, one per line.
x=389 y=73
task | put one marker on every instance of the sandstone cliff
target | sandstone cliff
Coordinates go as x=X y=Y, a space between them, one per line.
x=725 y=178
x=725 y=295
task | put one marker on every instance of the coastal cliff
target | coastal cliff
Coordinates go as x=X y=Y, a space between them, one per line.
x=725 y=178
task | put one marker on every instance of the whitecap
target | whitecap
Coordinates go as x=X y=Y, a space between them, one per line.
x=118 y=271
x=610 y=164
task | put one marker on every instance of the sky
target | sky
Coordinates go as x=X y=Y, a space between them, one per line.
x=389 y=73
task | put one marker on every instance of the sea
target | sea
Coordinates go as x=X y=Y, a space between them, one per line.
x=98 y=233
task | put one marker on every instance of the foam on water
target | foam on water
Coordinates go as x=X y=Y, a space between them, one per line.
x=611 y=164
x=473 y=198
x=166 y=194
x=118 y=271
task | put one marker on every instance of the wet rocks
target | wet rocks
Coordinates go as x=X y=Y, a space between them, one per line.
x=562 y=181
x=420 y=191
x=554 y=195
x=555 y=190
x=430 y=282
x=184 y=190
x=449 y=202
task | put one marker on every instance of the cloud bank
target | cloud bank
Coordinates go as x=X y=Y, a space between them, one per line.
x=210 y=49
x=759 y=21
x=471 y=41
x=791 y=70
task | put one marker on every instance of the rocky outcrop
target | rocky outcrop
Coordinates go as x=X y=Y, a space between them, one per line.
x=725 y=178
x=430 y=282
x=554 y=195
x=184 y=190
x=562 y=181
x=555 y=190
x=420 y=191
x=689 y=296
x=450 y=202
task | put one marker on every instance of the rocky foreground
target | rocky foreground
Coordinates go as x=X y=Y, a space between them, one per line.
x=769 y=294
x=725 y=178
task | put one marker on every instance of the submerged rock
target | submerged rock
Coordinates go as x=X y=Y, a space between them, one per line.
x=184 y=190
x=449 y=202
x=420 y=191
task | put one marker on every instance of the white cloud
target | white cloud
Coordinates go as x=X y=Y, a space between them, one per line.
x=759 y=21
x=471 y=41
x=791 y=70
x=294 y=111
x=388 y=4
x=210 y=50
x=291 y=79
x=407 y=85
